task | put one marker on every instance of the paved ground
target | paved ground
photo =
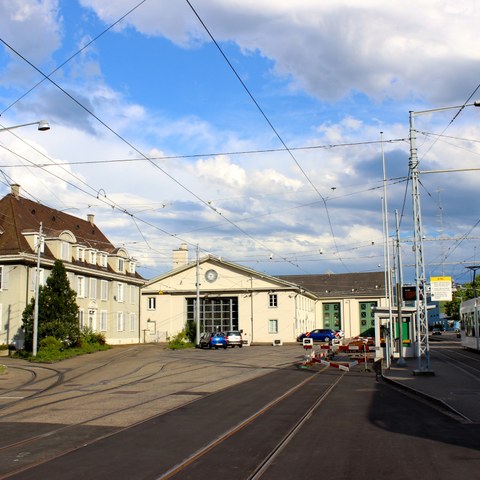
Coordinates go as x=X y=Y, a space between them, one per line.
x=448 y=383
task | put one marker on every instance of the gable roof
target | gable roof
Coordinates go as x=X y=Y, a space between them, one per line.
x=345 y=285
x=282 y=283
x=19 y=215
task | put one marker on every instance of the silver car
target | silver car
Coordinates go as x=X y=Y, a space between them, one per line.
x=234 y=337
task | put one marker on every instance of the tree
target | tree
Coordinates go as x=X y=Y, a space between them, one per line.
x=57 y=310
x=452 y=308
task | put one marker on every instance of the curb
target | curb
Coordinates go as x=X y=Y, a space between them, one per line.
x=439 y=403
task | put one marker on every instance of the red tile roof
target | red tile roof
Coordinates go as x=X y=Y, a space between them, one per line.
x=19 y=215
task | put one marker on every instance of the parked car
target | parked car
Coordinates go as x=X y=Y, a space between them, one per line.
x=234 y=337
x=213 y=340
x=436 y=331
x=319 y=335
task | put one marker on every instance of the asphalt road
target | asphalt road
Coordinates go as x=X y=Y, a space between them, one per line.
x=298 y=424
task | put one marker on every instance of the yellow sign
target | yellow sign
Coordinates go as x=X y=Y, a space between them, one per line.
x=441 y=289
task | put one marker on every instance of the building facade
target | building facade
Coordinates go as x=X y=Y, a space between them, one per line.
x=104 y=276
x=267 y=309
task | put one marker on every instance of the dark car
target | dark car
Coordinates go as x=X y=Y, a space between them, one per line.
x=320 y=335
x=436 y=331
x=234 y=338
x=213 y=340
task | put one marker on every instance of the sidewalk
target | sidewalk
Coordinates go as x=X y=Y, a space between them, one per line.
x=450 y=387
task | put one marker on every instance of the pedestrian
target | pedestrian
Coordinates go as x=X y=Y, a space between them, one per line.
x=377 y=368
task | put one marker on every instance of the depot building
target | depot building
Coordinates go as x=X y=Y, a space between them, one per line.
x=267 y=309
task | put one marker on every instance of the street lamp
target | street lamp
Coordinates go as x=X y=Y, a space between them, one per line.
x=423 y=351
x=43 y=126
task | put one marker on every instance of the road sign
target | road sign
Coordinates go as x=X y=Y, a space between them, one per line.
x=441 y=289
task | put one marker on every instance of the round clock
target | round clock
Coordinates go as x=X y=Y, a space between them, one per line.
x=211 y=275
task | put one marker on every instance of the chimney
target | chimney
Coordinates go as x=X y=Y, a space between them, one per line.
x=15 y=189
x=90 y=218
x=180 y=256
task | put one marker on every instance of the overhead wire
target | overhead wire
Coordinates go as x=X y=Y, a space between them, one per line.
x=124 y=140
x=262 y=112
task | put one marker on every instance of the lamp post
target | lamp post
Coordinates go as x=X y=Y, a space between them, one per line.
x=43 y=126
x=423 y=351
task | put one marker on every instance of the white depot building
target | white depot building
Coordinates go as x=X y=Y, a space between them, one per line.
x=267 y=309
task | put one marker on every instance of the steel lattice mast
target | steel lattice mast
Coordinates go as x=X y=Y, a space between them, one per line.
x=423 y=351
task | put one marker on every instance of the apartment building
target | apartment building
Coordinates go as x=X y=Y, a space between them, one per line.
x=103 y=275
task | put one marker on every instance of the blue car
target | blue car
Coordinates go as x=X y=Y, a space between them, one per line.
x=320 y=335
x=213 y=340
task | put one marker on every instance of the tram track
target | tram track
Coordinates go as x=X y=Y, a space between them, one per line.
x=52 y=398
x=275 y=450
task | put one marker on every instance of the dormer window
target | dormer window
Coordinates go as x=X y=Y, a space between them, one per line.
x=66 y=252
x=121 y=265
x=93 y=257
x=131 y=267
x=102 y=259
x=80 y=254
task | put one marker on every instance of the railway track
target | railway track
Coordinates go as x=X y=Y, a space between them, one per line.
x=48 y=400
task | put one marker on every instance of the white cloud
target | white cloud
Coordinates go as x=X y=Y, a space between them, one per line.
x=331 y=48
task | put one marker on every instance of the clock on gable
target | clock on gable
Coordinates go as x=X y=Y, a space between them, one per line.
x=211 y=275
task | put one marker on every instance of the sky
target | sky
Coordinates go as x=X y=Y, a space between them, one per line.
x=273 y=134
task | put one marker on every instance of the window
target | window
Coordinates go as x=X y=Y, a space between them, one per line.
x=103 y=290
x=152 y=303
x=81 y=318
x=120 y=322
x=80 y=254
x=65 y=253
x=133 y=322
x=132 y=267
x=273 y=326
x=102 y=259
x=1 y=318
x=103 y=320
x=4 y=278
x=133 y=294
x=93 y=257
x=120 y=292
x=93 y=288
x=121 y=265
x=273 y=300
x=81 y=287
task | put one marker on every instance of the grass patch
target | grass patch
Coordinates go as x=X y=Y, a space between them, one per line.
x=52 y=350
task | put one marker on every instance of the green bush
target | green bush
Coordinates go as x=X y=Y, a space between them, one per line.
x=180 y=341
x=89 y=337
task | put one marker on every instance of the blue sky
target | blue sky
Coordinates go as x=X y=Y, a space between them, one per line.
x=166 y=142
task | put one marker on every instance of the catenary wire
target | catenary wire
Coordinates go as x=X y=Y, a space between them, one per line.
x=275 y=131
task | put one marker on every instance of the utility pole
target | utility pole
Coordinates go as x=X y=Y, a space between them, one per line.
x=37 y=288
x=423 y=351
x=197 y=301
x=401 y=361
x=388 y=278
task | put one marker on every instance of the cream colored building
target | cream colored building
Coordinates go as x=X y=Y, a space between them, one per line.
x=266 y=309
x=104 y=276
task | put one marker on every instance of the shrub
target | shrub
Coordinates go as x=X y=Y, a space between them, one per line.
x=180 y=341
x=89 y=337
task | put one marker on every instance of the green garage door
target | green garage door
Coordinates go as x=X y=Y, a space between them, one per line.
x=332 y=317
x=367 y=319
